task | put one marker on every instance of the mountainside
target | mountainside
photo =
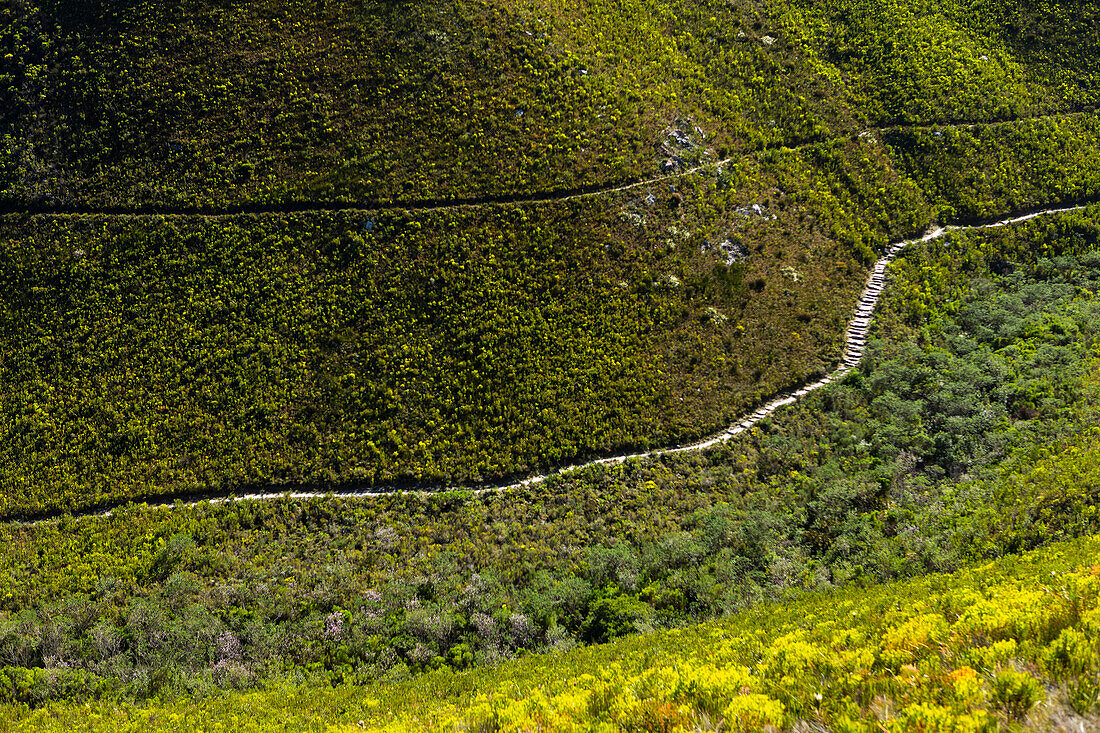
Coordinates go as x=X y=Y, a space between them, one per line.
x=380 y=245
x=391 y=341
x=212 y=105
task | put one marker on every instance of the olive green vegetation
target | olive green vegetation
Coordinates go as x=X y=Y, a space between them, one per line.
x=156 y=355
x=929 y=61
x=967 y=434
x=190 y=354
x=400 y=341
x=975 y=172
x=197 y=103
x=1004 y=646
x=209 y=104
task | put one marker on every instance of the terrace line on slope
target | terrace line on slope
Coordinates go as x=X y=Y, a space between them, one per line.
x=538 y=197
x=854 y=339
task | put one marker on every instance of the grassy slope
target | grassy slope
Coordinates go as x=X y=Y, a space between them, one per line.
x=187 y=353
x=980 y=172
x=212 y=104
x=879 y=477
x=929 y=61
x=954 y=652
x=198 y=103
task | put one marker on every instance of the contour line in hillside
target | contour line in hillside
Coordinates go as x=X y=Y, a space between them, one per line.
x=457 y=203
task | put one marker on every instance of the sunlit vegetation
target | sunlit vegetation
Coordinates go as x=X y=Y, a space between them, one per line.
x=1004 y=645
x=157 y=355
x=339 y=324
x=935 y=61
x=197 y=104
x=980 y=171
x=148 y=356
x=202 y=104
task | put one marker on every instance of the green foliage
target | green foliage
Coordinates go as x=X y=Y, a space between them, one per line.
x=613 y=616
x=979 y=171
x=1015 y=692
x=1070 y=655
x=916 y=61
x=193 y=104
x=146 y=356
x=821 y=661
x=194 y=355
x=454 y=346
x=188 y=104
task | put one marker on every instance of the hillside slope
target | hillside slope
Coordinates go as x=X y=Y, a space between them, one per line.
x=383 y=340
x=967 y=432
x=384 y=244
x=200 y=104
x=196 y=103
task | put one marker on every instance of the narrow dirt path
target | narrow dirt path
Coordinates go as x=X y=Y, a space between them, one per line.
x=855 y=339
x=461 y=203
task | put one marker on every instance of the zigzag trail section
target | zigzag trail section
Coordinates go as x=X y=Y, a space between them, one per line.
x=855 y=339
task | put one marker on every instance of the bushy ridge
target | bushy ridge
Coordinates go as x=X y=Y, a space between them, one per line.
x=199 y=104
x=938 y=61
x=371 y=348
x=385 y=338
x=193 y=104
x=974 y=172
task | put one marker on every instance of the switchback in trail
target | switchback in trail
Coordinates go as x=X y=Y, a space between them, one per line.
x=855 y=338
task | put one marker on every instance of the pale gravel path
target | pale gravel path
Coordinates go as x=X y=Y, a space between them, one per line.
x=855 y=339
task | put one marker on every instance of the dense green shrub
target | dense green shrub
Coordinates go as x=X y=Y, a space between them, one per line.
x=196 y=104
x=823 y=660
x=918 y=61
x=976 y=172
x=341 y=325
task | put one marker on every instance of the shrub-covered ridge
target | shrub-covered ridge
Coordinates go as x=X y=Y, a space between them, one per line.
x=360 y=347
x=193 y=103
x=199 y=104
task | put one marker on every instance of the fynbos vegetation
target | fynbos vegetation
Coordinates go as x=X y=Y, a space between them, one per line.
x=292 y=244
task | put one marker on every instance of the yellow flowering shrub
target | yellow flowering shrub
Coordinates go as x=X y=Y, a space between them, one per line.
x=752 y=712
x=989 y=657
x=913 y=639
x=915 y=656
x=967 y=687
x=709 y=690
x=927 y=718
